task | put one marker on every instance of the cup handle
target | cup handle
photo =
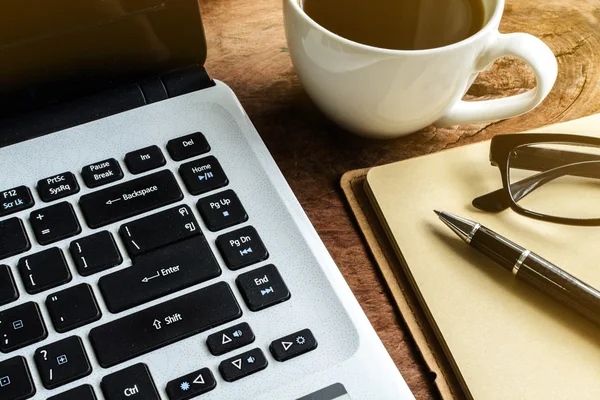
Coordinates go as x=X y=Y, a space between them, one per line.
x=529 y=49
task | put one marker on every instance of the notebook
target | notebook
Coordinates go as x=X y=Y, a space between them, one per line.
x=503 y=340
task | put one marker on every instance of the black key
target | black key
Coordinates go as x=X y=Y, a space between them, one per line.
x=293 y=345
x=73 y=307
x=57 y=186
x=159 y=273
x=21 y=326
x=163 y=324
x=203 y=175
x=262 y=287
x=101 y=173
x=229 y=339
x=222 y=210
x=15 y=379
x=8 y=288
x=191 y=385
x=144 y=159
x=242 y=247
x=158 y=230
x=133 y=383
x=243 y=365
x=188 y=146
x=54 y=223
x=83 y=392
x=14 y=200
x=95 y=253
x=62 y=362
x=130 y=198
x=44 y=270
x=13 y=238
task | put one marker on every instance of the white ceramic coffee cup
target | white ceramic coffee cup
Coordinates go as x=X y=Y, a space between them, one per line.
x=386 y=93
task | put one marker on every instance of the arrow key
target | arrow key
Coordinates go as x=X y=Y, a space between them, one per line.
x=293 y=345
x=243 y=365
x=191 y=385
x=229 y=339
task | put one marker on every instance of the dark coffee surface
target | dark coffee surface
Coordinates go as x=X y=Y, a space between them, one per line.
x=399 y=24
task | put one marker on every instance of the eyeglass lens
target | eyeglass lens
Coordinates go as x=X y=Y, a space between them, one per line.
x=556 y=179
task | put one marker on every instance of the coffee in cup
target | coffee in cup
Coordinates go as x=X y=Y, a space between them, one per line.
x=387 y=68
x=399 y=24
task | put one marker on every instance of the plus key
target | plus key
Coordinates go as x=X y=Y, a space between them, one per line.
x=54 y=223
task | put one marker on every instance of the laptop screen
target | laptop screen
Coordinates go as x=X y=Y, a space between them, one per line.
x=56 y=50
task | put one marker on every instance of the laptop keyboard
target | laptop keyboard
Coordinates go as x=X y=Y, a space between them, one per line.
x=168 y=252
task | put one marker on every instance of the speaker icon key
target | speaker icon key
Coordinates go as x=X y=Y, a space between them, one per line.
x=230 y=339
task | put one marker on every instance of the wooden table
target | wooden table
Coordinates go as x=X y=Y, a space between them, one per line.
x=247 y=50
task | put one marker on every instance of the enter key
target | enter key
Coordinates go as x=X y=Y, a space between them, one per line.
x=159 y=273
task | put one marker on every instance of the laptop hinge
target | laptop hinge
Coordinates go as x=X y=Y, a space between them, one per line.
x=110 y=102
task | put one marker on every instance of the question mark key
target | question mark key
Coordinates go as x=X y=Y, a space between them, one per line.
x=62 y=362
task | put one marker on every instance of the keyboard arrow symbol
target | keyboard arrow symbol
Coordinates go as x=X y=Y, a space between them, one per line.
x=237 y=363
x=286 y=345
x=199 y=380
x=146 y=279
x=109 y=202
x=226 y=339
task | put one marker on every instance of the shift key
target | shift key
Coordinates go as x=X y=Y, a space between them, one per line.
x=159 y=273
x=158 y=326
x=130 y=198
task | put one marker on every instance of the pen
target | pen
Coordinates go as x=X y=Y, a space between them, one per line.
x=528 y=266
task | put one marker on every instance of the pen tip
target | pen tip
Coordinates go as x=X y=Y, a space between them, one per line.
x=437 y=212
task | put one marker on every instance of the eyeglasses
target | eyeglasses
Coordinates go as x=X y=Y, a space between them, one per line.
x=551 y=177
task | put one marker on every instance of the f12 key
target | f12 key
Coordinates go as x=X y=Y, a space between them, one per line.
x=14 y=200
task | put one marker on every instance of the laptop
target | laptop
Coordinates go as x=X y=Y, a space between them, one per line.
x=149 y=246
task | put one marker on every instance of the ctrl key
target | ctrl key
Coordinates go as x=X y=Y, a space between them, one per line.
x=132 y=383
x=15 y=379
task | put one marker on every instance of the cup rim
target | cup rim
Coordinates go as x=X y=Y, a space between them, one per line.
x=496 y=16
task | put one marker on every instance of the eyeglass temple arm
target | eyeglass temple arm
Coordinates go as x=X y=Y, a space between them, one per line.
x=498 y=200
x=541 y=159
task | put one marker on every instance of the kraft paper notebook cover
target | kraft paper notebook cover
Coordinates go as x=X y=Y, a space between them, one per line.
x=503 y=339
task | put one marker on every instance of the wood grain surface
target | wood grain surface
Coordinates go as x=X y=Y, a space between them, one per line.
x=247 y=50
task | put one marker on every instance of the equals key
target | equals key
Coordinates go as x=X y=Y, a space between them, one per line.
x=158 y=230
